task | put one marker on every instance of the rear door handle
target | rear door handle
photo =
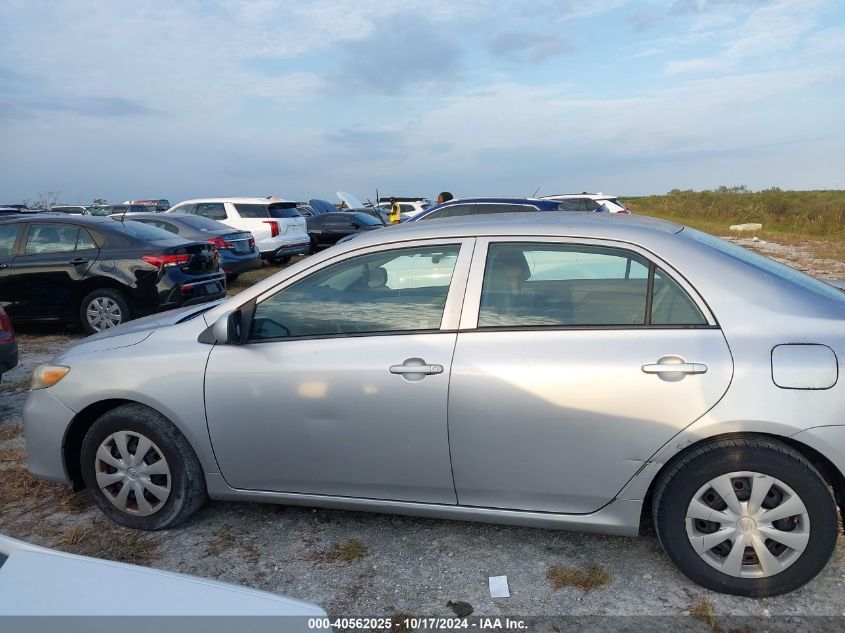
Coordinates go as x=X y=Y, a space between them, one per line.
x=428 y=370
x=78 y=260
x=675 y=368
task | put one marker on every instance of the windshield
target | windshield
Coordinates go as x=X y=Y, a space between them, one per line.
x=322 y=206
x=766 y=265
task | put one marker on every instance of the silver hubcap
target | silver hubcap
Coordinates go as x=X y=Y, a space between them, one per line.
x=132 y=473
x=748 y=524
x=103 y=313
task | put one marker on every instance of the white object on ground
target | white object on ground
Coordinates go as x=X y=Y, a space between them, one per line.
x=753 y=226
x=499 y=587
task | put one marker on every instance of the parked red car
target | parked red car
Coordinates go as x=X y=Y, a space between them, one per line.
x=8 y=344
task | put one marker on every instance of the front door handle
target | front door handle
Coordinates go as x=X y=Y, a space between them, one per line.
x=415 y=369
x=674 y=365
x=428 y=370
x=78 y=260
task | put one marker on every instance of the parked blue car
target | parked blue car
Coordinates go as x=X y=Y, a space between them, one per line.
x=478 y=206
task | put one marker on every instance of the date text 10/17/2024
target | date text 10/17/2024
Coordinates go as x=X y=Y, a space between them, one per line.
x=416 y=623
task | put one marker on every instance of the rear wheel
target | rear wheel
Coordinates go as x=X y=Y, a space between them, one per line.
x=746 y=516
x=103 y=309
x=232 y=277
x=280 y=260
x=141 y=470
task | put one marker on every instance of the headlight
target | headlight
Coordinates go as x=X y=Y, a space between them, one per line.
x=48 y=375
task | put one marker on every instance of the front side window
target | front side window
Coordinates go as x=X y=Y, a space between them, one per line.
x=211 y=210
x=400 y=290
x=450 y=211
x=50 y=238
x=578 y=285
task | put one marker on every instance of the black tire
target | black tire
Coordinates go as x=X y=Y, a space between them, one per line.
x=187 y=482
x=104 y=295
x=695 y=469
x=280 y=260
x=231 y=277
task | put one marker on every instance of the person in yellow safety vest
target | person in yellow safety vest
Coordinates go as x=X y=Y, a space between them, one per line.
x=395 y=211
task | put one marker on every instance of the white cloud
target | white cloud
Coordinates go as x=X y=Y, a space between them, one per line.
x=767 y=31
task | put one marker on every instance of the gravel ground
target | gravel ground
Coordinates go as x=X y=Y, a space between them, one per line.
x=381 y=565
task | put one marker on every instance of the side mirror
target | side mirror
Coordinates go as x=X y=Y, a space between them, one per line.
x=227 y=328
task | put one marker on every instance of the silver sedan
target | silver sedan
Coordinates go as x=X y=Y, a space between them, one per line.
x=585 y=372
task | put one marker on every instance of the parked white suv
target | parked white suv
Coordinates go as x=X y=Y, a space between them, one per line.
x=277 y=226
x=589 y=202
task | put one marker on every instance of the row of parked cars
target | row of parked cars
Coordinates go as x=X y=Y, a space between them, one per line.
x=103 y=265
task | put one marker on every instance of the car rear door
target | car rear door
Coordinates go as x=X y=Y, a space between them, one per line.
x=575 y=362
x=342 y=386
x=10 y=237
x=53 y=259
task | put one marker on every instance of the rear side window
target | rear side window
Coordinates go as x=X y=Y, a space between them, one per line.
x=501 y=208
x=8 y=235
x=284 y=210
x=577 y=204
x=450 y=211
x=670 y=305
x=252 y=210
x=50 y=238
x=184 y=208
x=212 y=210
x=533 y=285
x=84 y=241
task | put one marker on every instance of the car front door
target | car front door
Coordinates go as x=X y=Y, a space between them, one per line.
x=341 y=388
x=562 y=381
x=43 y=276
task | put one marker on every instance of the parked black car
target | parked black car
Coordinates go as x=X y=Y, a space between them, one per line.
x=100 y=272
x=8 y=344
x=238 y=253
x=325 y=229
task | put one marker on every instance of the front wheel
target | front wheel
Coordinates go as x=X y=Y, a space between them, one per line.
x=747 y=516
x=141 y=470
x=280 y=260
x=103 y=309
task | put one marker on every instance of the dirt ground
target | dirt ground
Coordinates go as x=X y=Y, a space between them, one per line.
x=382 y=565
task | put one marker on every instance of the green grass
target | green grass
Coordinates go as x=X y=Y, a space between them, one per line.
x=786 y=216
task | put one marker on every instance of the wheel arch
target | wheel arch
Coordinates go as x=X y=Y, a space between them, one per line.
x=84 y=420
x=831 y=474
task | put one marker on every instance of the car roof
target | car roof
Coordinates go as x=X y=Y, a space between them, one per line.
x=493 y=199
x=565 y=223
x=243 y=200
x=47 y=216
x=584 y=194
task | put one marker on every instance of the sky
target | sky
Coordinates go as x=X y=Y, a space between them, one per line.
x=123 y=99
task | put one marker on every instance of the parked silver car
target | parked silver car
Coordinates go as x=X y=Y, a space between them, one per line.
x=574 y=371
